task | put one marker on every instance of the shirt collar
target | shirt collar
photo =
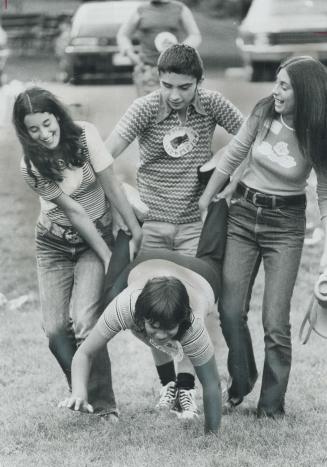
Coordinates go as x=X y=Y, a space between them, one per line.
x=164 y=109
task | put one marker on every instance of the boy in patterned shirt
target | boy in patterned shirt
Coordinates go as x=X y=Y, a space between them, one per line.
x=174 y=126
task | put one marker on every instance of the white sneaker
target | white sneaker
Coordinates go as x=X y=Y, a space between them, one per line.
x=168 y=395
x=187 y=408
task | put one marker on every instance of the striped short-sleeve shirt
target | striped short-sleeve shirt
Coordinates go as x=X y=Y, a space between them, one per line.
x=168 y=184
x=119 y=315
x=80 y=183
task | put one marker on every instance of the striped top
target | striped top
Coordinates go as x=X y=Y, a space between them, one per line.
x=80 y=183
x=119 y=315
x=168 y=184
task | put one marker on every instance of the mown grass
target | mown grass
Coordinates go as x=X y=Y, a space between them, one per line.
x=34 y=432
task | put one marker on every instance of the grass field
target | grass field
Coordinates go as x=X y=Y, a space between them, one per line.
x=34 y=432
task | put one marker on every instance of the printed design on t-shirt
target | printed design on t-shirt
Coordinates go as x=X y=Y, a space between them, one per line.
x=180 y=141
x=278 y=153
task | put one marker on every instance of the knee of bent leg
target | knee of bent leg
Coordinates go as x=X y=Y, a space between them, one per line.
x=54 y=329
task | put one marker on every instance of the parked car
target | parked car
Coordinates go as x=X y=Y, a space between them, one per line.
x=275 y=29
x=92 y=52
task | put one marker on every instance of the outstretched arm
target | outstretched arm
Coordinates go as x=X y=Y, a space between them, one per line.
x=124 y=38
x=209 y=378
x=81 y=368
x=215 y=184
x=84 y=226
x=114 y=192
x=193 y=33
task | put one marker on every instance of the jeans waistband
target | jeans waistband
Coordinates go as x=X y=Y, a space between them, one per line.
x=270 y=201
x=68 y=232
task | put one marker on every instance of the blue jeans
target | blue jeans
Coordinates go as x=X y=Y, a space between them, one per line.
x=274 y=236
x=71 y=280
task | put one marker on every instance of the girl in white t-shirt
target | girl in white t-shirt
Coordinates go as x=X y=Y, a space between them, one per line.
x=68 y=166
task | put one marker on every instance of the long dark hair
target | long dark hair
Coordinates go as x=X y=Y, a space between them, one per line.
x=308 y=78
x=164 y=300
x=69 y=150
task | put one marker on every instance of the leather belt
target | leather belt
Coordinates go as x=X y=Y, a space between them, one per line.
x=264 y=200
x=67 y=232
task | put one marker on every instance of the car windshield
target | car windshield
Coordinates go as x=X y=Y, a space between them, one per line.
x=103 y=19
x=300 y=7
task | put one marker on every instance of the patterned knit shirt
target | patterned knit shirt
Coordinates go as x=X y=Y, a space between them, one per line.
x=168 y=184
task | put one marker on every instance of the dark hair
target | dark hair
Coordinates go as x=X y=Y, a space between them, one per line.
x=182 y=60
x=38 y=100
x=308 y=78
x=164 y=300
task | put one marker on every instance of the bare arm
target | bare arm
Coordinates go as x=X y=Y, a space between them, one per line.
x=209 y=378
x=81 y=368
x=193 y=33
x=84 y=226
x=116 y=144
x=124 y=37
x=116 y=195
x=215 y=184
x=228 y=192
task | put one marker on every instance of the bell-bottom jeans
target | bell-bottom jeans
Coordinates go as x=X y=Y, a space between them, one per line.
x=71 y=278
x=274 y=236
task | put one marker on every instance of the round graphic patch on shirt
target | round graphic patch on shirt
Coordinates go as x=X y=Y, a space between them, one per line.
x=180 y=141
x=164 y=39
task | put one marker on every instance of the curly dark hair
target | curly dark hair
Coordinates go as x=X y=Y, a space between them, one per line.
x=38 y=100
x=164 y=300
x=308 y=78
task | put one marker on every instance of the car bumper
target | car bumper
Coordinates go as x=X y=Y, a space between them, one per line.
x=276 y=53
x=92 y=64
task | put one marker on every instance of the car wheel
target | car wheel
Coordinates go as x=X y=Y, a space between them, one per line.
x=262 y=71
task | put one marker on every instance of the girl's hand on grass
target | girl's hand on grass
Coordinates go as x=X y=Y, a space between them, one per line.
x=76 y=404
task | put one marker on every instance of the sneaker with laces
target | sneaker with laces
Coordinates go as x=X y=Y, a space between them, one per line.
x=186 y=407
x=168 y=396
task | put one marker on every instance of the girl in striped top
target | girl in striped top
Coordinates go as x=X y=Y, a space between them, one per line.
x=68 y=166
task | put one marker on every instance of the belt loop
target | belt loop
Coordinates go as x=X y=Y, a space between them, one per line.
x=246 y=192
x=273 y=202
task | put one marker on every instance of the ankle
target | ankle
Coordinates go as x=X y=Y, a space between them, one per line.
x=185 y=381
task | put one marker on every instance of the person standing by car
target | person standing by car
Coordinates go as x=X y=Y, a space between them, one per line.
x=284 y=138
x=158 y=24
x=68 y=166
